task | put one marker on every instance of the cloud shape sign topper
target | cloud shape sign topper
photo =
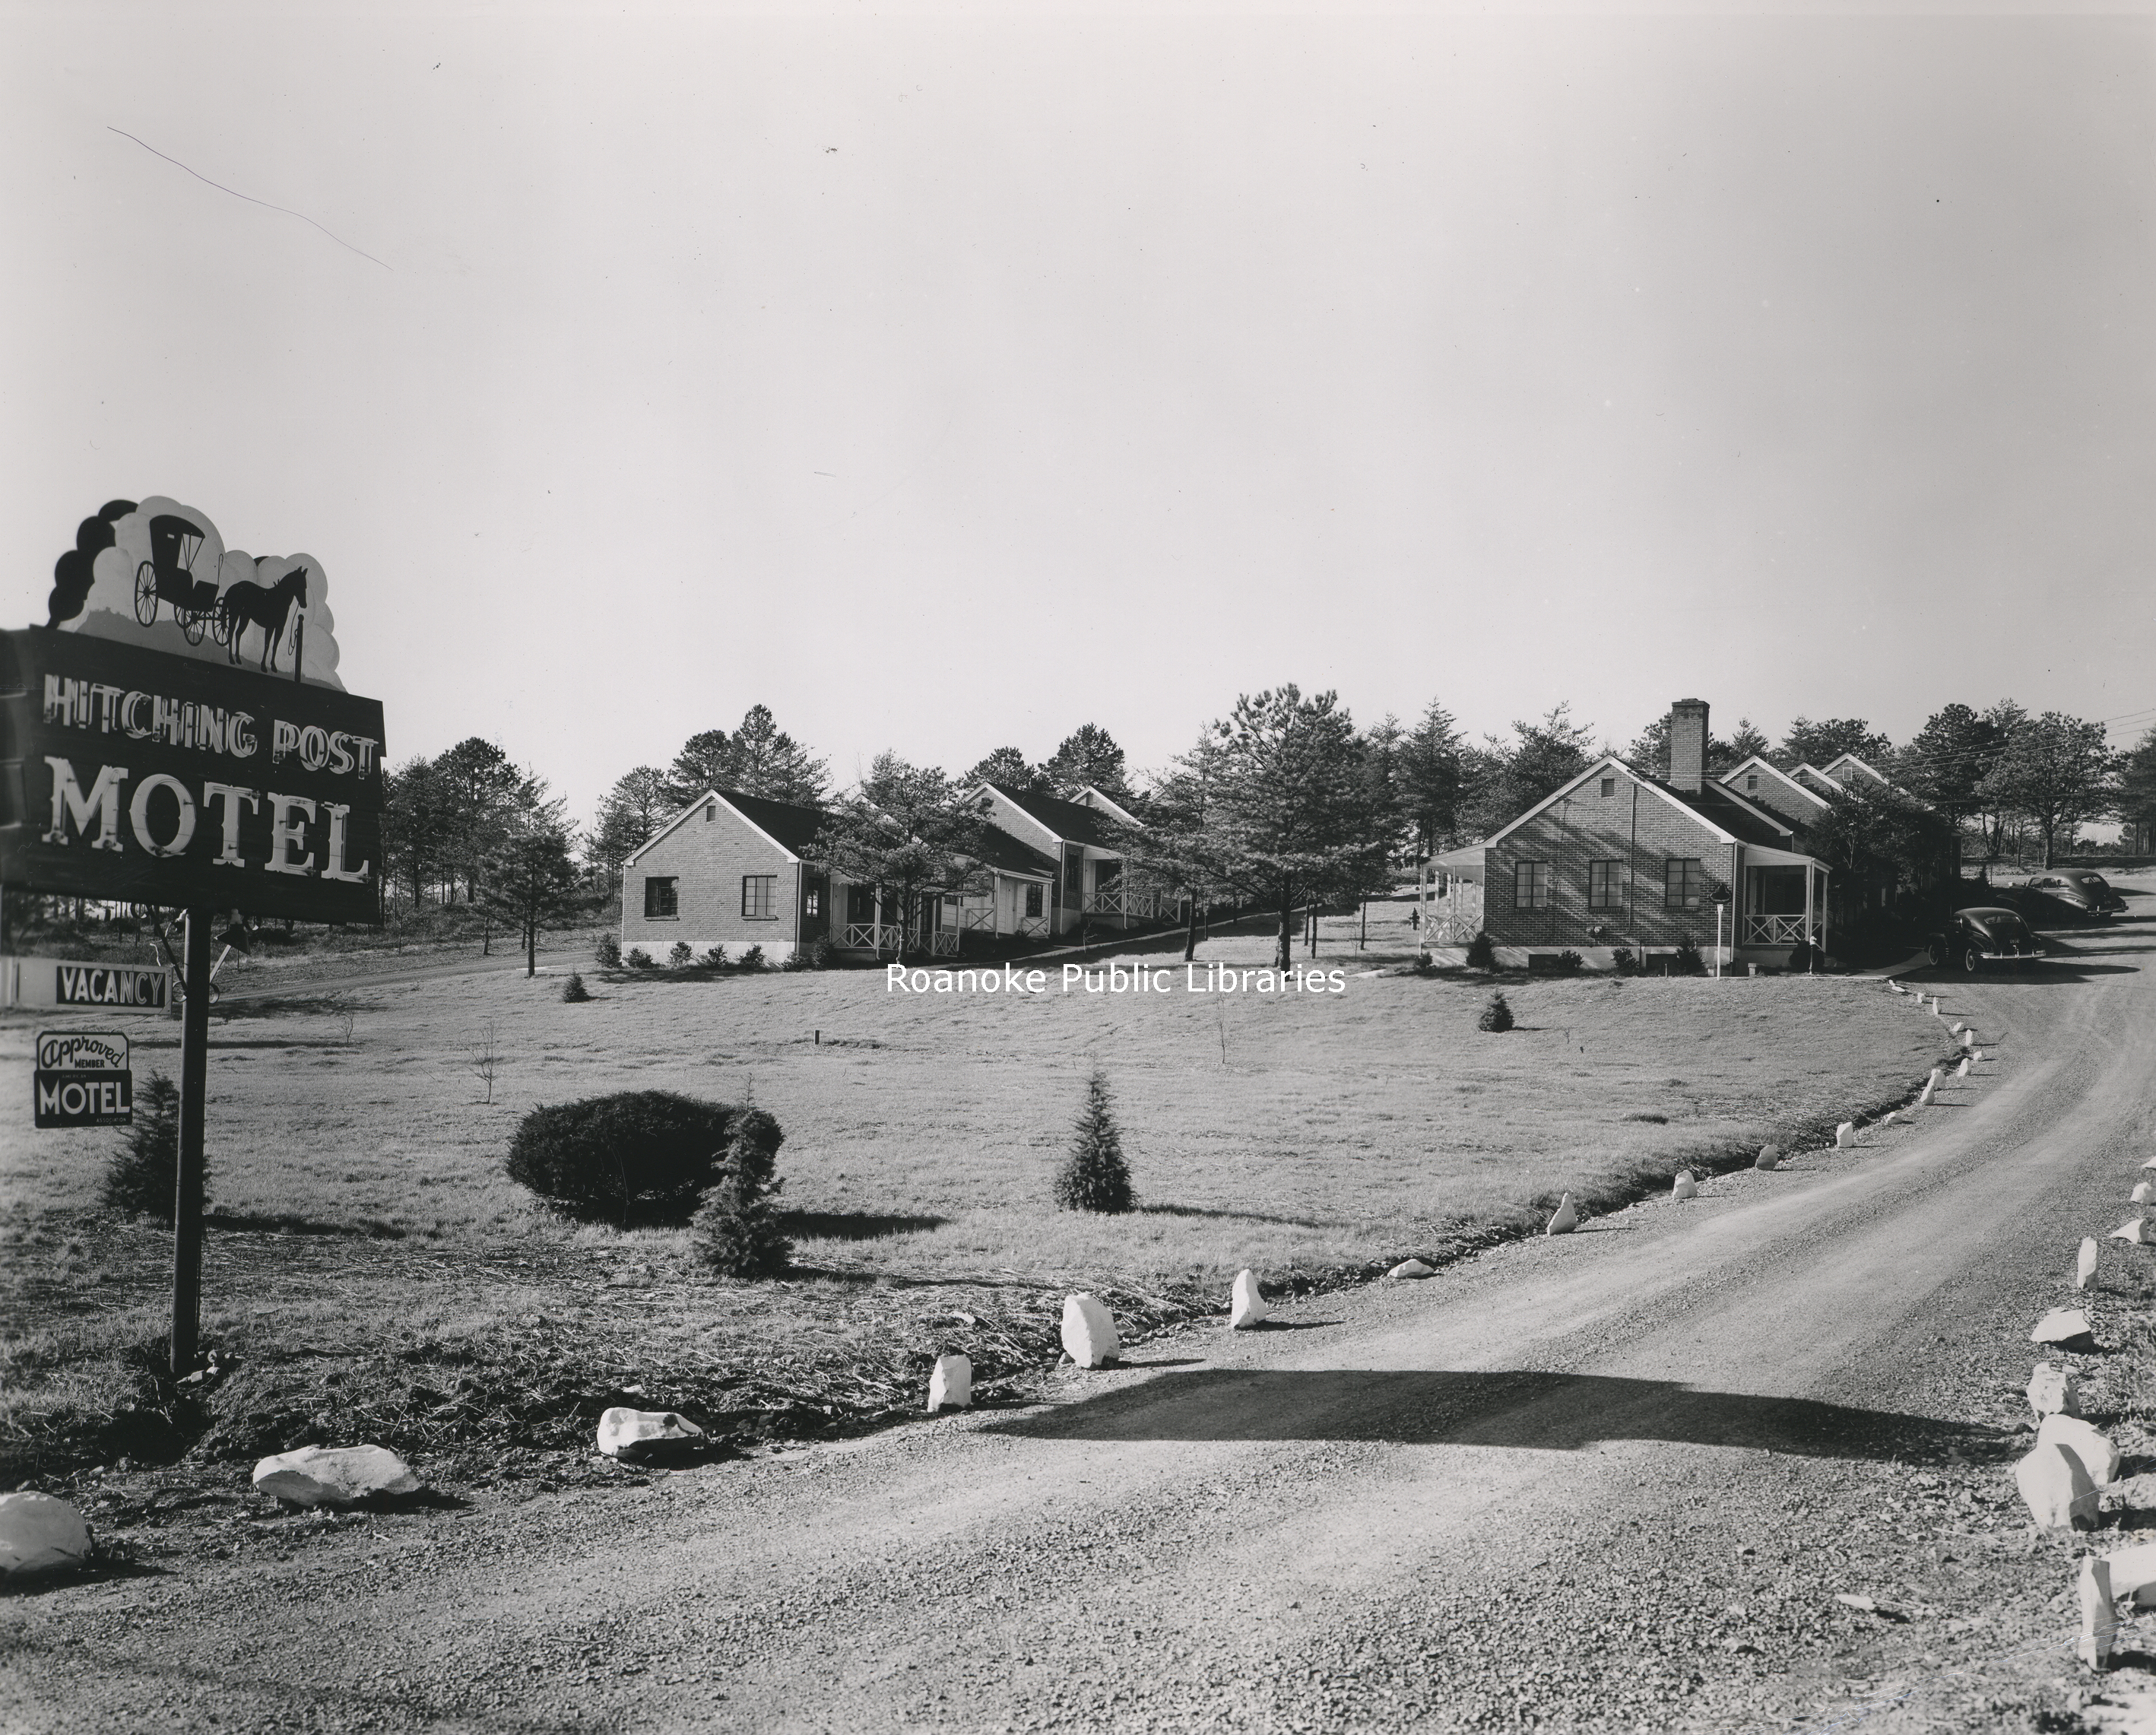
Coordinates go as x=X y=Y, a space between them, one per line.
x=156 y=573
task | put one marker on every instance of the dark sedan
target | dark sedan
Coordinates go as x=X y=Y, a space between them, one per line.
x=1973 y=938
x=2081 y=890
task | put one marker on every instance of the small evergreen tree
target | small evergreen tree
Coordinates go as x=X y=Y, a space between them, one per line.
x=573 y=990
x=1482 y=955
x=142 y=1176
x=1095 y=1178
x=1686 y=961
x=680 y=954
x=1497 y=1015
x=736 y=1227
x=608 y=952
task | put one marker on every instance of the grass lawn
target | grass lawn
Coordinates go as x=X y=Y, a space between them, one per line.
x=373 y=1270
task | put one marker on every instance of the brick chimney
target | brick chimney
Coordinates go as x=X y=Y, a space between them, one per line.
x=1688 y=744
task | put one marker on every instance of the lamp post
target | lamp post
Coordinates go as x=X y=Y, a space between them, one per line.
x=1718 y=907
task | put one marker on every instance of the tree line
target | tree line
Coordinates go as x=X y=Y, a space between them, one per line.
x=1283 y=802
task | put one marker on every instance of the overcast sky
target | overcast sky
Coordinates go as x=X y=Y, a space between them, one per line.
x=943 y=381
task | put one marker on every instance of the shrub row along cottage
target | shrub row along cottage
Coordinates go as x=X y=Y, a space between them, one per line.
x=738 y=870
x=1618 y=858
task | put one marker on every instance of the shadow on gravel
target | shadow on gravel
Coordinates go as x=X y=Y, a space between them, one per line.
x=1538 y=1412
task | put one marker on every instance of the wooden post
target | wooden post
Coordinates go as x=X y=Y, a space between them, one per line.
x=188 y=1182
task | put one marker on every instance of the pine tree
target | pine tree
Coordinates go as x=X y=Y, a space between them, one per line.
x=1095 y=1178
x=143 y=1174
x=736 y=1227
x=1497 y=1016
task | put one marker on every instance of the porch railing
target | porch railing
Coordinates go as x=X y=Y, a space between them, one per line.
x=871 y=936
x=943 y=943
x=1135 y=906
x=1774 y=930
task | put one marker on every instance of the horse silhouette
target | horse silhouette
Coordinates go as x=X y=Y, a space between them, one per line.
x=245 y=605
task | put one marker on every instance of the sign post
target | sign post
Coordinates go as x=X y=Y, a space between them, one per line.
x=188 y=1198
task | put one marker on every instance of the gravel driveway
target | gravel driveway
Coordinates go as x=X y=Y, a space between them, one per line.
x=1615 y=1481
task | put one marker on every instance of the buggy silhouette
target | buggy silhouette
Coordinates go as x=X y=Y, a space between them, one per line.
x=168 y=576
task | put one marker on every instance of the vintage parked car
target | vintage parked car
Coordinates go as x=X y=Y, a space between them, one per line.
x=1973 y=938
x=2081 y=889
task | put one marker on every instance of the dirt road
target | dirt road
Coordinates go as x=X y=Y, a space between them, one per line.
x=1611 y=1480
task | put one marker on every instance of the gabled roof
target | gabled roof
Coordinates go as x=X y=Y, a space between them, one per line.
x=1820 y=780
x=1073 y=822
x=1007 y=854
x=791 y=827
x=1599 y=768
x=1723 y=812
x=1766 y=767
x=1731 y=813
x=1856 y=764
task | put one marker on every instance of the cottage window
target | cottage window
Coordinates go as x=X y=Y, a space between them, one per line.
x=760 y=897
x=1531 y=885
x=1032 y=900
x=1608 y=787
x=710 y=811
x=1751 y=781
x=1684 y=883
x=659 y=903
x=1603 y=885
x=811 y=902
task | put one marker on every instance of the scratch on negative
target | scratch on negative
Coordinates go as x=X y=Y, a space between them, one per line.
x=250 y=198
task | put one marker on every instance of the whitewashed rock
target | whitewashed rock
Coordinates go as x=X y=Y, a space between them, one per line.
x=951 y=1383
x=2150 y=1163
x=1956 y=1028
x=2129 y=1232
x=1895 y=987
x=1962 y=1071
x=2141 y=1193
x=2058 y=1491
x=2064 y=1325
x=2052 y=1392
x=1089 y=1332
x=2085 y=1262
x=633 y=1434
x=1770 y=1159
x=1978 y=1057
x=1845 y=1136
x=1924 y=1096
x=1246 y=1305
x=2133 y=1573
x=2092 y=1445
x=40 y=1534
x=1565 y=1218
x=2092 y=1583
x=336 y=1476
x=1968 y=1038
x=1412 y=1268
x=1684 y=1187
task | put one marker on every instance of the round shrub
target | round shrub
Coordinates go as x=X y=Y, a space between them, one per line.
x=1482 y=955
x=715 y=957
x=1497 y=1015
x=681 y=955
x=636 y=958
x=753 y=959
x=638 y=1156
x=574 y=991
x=1686 y=961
